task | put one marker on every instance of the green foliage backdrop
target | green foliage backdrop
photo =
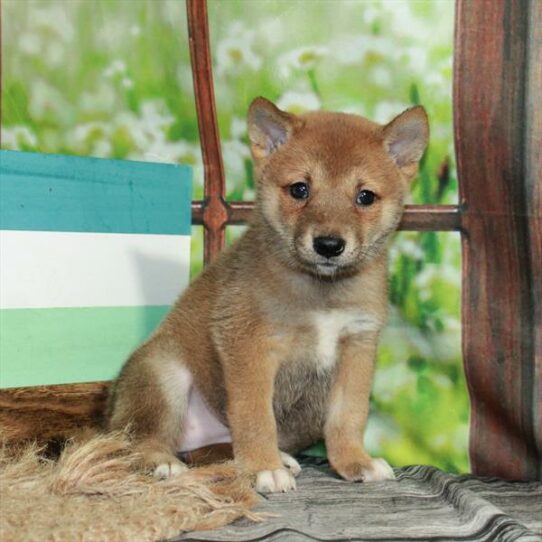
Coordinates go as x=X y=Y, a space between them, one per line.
x=111 y=78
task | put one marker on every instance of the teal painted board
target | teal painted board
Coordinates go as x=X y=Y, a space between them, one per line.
x=48 y=192
x=68 y=345
x=93 y=252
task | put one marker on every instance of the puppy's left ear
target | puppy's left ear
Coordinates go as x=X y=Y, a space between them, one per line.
x=405 y=139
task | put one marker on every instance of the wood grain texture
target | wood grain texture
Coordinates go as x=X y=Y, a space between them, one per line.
x=415 y=217
x=423 y=504
x=214 y=211
x=51 y=412
x=489 y=111
x=533 y=179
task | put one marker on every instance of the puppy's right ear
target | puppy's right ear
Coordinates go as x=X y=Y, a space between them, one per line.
x=268 y=127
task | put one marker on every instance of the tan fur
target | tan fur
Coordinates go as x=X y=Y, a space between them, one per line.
x=252 y=330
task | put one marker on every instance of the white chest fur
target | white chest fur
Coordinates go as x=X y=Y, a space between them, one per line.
x=334 y=324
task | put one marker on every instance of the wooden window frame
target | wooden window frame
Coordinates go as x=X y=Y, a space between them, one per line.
x=498 y=137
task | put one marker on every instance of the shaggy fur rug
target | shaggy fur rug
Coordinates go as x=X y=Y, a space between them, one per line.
x=95 y=492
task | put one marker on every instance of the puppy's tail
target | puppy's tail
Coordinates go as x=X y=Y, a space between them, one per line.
x=214 y=464
x=214 y=453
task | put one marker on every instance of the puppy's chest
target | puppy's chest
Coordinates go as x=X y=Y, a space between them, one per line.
x=313 y=337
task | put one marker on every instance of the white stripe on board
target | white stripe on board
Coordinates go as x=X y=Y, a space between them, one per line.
x=59 y=269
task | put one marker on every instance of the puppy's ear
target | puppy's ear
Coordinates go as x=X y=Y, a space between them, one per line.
x=405 y=139
x=268 y=127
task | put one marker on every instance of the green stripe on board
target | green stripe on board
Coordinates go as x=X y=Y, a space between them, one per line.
x=62 y=346
x=48 y=192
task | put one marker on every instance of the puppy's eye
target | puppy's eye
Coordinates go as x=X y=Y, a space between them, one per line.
x=366 y=198
x=299 y=190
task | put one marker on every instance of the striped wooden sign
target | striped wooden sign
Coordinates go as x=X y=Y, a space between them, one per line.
x=92 y=254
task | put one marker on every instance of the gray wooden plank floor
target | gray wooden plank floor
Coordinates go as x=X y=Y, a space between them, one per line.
x=423 y=504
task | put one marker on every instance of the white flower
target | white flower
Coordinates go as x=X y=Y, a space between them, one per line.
x=149 y=128
x=403 y=339
x=141 y=135
x=447 y=339
x=391 y=378
x=178 y=152
x=52 y=50
x=156 y=115
x=302 y=59
x=172 y=11
x=91 y=138
x=235 y=154
x=127 y=83
x=382 y=76
x=135 y=30
x=18 y=137
x=30 y=43
x=54 y=19
x=379 y=430
x=116 y=68
x=442 y=380
x=415 y=58
x=355 y=49
x=111 y=34
x=432 y=272
x=447 y=64
x=439 y=440
x=405 y=22
x=410 y=248
x=47 y=101
x=437 y=82
x=100 y=100
x=298 y=102
x=425 y=294
x=235 y=53
x=460 y=436
x=441 y=131
x=184 y=78
x=452 y=324
x=349 y=50
x=83 y=132
x=426 y=276
x=370 y=15
x=271 y=32
x=238 y=128
x=102 y=148
x=54 y=53
x=249 y=194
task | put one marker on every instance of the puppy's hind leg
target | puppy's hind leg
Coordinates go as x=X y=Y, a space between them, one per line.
x=150 y=397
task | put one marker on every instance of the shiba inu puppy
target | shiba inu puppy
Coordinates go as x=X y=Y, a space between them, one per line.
x=275 y=343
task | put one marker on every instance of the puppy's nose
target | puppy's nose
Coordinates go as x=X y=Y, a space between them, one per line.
x=328 y=246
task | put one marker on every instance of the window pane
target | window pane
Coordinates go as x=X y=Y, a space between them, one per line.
x=420 y=400
x=112 y=79
x=372 y=57
x=102 y=78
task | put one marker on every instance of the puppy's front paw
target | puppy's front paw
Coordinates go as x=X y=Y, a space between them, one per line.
x=374 y=470
x=275 y=481
x=169 y=469
x=290 y=463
